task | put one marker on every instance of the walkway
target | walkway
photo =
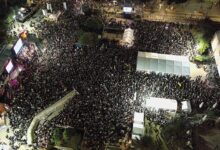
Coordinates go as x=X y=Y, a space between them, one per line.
x=48 y=114
x=184 y=12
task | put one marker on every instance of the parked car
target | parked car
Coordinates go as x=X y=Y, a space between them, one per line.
x=26 y=12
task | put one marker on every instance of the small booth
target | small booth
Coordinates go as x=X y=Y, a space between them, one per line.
x=138 y=125
x=128 y=11
x=13 y=70
x=9 y=66
x=128 y=38
x=186 y=106
x=24 y=50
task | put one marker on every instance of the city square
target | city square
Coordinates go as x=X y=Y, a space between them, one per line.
x=106 y=75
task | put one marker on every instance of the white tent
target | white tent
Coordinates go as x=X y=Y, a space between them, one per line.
x=17 y=47
x=162 y=63
x=216 y=49
x=138 y=117
x=138 y=125
x=186 y=106
x=166 y=104
x=161 y=103
x=128 y=37
x=9 y=66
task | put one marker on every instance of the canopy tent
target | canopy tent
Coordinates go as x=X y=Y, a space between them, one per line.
x=9 y=67
x=138 y=129
x=138 y=125
x=161 y=103
x=138 y=117
x=166 y=104
x=216 y=49
x=186 y=106
x=128 y=37
x=162 y=63
x=17 y=47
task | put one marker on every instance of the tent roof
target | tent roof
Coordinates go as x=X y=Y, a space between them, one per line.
x=138 y=117
x=186 y=106
x=170 y=64
x=161 y=103
x=138 y=129
x=134 y=136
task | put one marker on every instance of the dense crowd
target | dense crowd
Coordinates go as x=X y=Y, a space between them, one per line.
x=106 y=80
x=166 y=38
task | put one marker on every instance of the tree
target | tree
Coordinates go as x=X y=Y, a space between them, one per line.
x=57 y=136
x=88 y=38
x=145 y=143
x=93 y=24
x=175 y=131
x=67 y=134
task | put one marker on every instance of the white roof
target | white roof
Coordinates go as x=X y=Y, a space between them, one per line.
x=134 y=137
x=18 y=46
x=186 y=106
x=4 y=147
x=138 y=125
x=128 y=37
x=9 y=67
x=161 y=103
x=138 y=117
x=162 y=63
x=127 y=9
x=138 y=129
x=216 y=48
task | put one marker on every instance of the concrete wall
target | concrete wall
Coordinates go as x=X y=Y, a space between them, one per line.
x=48 y=114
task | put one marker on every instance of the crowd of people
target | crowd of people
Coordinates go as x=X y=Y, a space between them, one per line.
x=106 y=79
x=166 y=38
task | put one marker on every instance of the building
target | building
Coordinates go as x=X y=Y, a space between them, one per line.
x=216 y=49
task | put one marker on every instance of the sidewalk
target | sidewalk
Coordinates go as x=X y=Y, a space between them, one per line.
x=47 y=114
x=184 y=12
x=189 y=10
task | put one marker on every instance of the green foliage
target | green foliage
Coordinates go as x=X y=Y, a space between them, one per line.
x=86 y=9
x=67 y=134
x=174 y=133
x=175 y=128
x=90 y=10
x=93 y=24
x=57 y=136
x=67 y=137
x=145 y=142
x=201 y=37
x=88 y=38
x=202 y=58
x=202 y=45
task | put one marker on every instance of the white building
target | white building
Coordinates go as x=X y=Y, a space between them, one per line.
x=216 y=49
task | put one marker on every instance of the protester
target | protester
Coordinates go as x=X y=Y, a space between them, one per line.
x=105 y=77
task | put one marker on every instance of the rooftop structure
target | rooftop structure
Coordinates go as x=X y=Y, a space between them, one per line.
x=162 y=63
